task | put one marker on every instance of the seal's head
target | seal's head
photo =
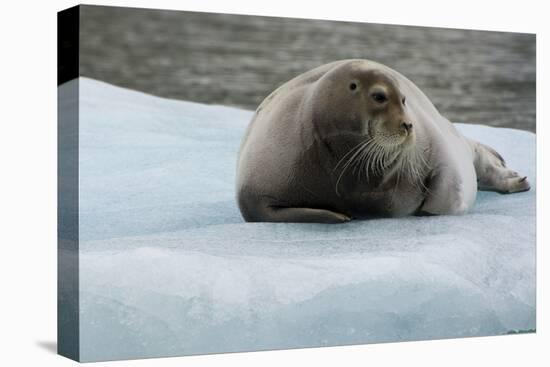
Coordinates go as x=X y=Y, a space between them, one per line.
x=361 y=109
x=365 y=100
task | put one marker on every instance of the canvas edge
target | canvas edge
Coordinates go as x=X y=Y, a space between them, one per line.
x=68 y=321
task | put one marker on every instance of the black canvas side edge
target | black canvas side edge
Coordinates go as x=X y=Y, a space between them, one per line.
x=68 y=42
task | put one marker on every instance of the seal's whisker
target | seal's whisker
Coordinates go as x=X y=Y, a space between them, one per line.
x=355 y=163
x=365 y=160
x=365 y=153
x=415 y=168
x=369 y=157
x=358 y=158
x=345 y=155
x=354 y=156
x=349 y=161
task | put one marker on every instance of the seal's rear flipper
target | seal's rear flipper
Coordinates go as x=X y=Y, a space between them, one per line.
x=492 y=173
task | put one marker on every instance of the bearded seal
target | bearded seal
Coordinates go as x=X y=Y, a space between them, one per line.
x=356 y=139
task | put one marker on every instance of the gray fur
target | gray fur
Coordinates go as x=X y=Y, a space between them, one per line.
x=319 y=150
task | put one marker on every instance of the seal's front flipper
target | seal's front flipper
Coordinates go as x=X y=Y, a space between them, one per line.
x=303 y=215
x=446 y=194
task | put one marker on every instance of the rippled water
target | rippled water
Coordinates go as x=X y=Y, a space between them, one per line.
x=471 y=76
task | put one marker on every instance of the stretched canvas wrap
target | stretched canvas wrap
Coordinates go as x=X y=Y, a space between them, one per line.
x=155 y=256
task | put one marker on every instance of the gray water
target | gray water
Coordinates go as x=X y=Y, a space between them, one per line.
x=470 y=76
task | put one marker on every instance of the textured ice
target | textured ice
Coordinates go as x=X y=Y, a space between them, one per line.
x=168 y=267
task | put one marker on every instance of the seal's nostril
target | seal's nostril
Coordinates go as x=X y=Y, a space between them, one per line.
x=407 y=126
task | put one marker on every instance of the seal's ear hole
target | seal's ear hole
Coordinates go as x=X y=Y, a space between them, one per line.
x=403 y=100
x=352 y=86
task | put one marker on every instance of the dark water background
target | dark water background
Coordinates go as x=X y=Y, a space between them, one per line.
x=470 y=76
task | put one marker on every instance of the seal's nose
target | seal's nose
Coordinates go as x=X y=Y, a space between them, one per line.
x=407 y=126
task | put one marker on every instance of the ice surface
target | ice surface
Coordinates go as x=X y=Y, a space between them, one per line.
x=168 y=267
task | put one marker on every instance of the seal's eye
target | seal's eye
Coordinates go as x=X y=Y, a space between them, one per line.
x=403 y=101
x=379 y=97
x=353 y=86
